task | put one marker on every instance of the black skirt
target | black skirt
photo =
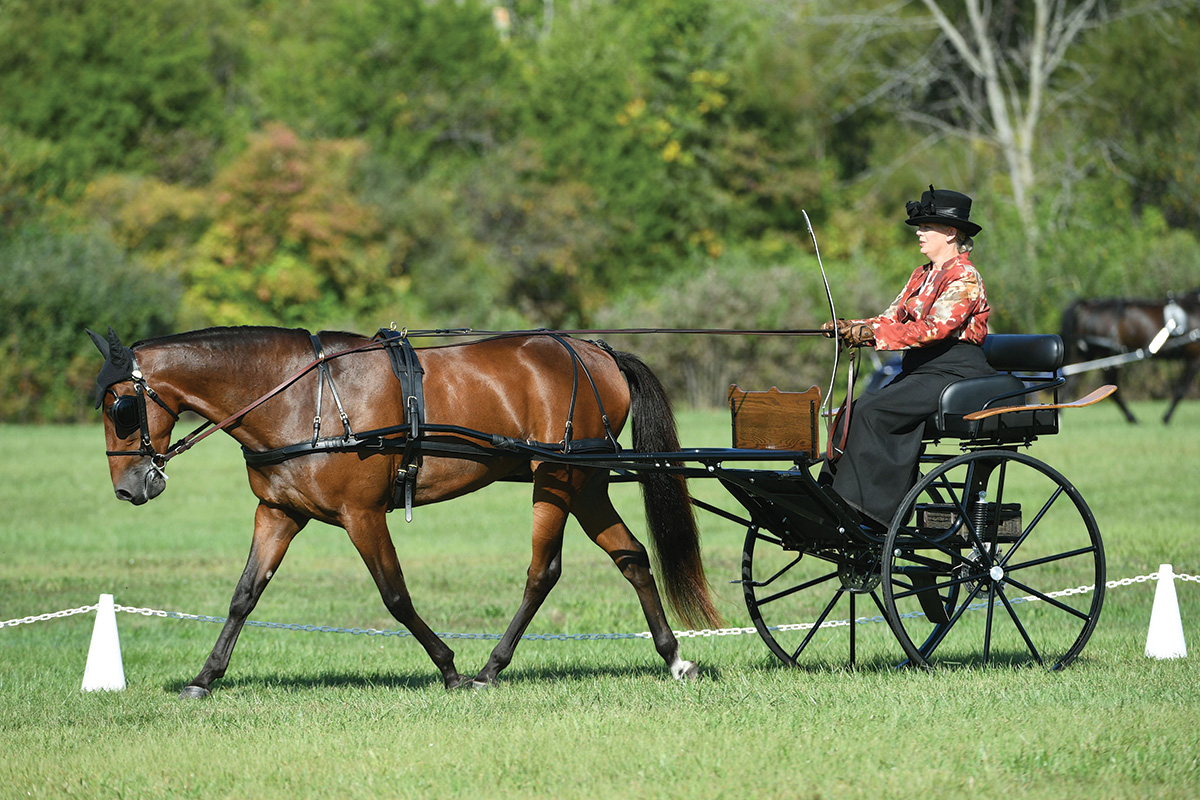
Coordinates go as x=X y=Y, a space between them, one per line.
x=879 y=464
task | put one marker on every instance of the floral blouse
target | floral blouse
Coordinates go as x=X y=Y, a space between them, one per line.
x=944 y=303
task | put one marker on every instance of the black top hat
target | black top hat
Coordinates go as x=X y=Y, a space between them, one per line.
x=943 y=207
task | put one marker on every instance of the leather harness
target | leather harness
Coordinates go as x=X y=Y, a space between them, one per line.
x=410 y=437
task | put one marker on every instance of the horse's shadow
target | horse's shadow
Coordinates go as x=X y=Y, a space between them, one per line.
x=427 y=679
x=521 y=676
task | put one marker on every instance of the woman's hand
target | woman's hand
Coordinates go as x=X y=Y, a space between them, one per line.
x=851 y=332
x=857 y=334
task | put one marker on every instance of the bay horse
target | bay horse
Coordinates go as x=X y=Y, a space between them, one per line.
x=1093 y=329
x=263 y=387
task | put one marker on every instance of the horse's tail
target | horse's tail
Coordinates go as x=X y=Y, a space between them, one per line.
x=669 y=510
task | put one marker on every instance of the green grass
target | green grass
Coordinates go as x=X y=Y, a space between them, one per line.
x=333 y=715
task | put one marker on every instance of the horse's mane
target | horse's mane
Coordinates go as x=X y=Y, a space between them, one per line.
x=235 y=332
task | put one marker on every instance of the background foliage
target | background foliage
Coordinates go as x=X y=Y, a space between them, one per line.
x=544 y=163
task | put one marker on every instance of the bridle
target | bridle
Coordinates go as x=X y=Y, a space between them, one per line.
x=129 y=415
x=128 y=412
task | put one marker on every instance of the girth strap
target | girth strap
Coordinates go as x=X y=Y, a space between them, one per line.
x=407 y=368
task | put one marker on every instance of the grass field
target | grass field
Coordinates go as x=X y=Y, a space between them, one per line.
x=307 y=714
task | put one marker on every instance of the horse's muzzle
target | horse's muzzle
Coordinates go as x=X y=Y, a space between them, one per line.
x=141 y=484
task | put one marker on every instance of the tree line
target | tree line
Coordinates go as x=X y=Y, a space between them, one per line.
x=573 y=163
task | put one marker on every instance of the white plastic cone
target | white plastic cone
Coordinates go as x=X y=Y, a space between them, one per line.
x=104 y=670
x=1165 y=638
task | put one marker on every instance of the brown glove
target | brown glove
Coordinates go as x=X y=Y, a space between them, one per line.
x=852 y=334
x=856 y=334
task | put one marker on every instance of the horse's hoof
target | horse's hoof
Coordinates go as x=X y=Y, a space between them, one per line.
x=685 y=671
x=478 y=684
x=194 y=693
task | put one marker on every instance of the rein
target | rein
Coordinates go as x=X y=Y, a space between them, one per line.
x=209 y=428
x=201 y=433
x=454 y=332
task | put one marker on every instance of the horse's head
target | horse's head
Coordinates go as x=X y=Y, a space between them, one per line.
x=137 y=433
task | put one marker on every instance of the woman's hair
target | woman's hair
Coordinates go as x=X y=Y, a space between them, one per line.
x=965 y=243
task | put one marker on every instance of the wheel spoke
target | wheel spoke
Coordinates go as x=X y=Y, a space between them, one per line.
x=817 y=625
x=1048 y=599
x=1045 y=559
x=949 y=584
x=1012 y=612
x=1058 y=490
x=987 y=630
x=797 y=588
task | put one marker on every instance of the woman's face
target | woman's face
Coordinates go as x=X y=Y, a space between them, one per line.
x=939 y=243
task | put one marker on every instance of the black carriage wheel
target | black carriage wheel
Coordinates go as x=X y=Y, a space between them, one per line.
x=993 y=558
x=806 y=603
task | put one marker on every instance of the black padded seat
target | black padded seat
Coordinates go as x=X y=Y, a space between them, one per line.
x=1024 y=352
x=1040 y=354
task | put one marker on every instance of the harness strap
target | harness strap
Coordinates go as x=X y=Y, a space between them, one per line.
x=323 y=375
x=576 y=363
x=839 y=428
x=208 y=429
x=395 y=438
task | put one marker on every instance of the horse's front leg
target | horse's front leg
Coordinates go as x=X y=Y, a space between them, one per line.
x=553 y=489
x=273 y=532
x=369 y=533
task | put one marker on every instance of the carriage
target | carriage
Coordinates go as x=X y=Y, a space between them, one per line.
x=994 y=557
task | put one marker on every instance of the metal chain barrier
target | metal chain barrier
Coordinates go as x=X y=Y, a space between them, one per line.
x=291 y=626
x=12 y=623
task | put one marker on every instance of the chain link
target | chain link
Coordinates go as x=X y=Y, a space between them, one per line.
x=803 y=626
x=12 y=623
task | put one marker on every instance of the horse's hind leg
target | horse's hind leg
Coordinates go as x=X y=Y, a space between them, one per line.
x=602 y=523
x=1181 y=388
x=369 y=533
x=553 y=489
x=273 y=532
x=1110 y=376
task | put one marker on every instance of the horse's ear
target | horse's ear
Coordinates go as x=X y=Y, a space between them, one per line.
x=100 y=342
x=116 y=349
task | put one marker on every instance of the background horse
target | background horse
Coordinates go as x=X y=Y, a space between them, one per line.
x=522 y=386
x=1093 y=329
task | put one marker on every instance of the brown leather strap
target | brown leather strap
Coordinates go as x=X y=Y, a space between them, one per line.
x=839 y=428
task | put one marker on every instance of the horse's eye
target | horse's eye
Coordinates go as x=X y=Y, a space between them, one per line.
x=125 y=416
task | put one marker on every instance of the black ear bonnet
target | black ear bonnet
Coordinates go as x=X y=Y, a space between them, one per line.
x=118 y=366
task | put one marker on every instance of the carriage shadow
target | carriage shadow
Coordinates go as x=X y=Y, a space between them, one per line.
x=1006 y=660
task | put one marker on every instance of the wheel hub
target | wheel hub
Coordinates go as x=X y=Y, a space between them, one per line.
x=858 y=578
